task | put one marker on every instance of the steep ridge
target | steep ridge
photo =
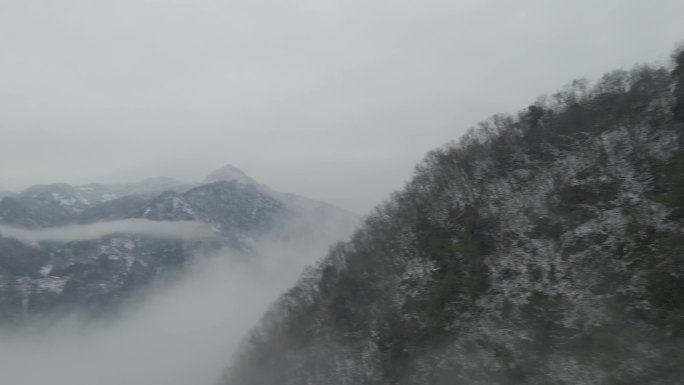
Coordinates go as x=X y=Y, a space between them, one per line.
x=543 y=248
x=127 y=248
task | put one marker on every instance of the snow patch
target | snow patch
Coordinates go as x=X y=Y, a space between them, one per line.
x=45 y=270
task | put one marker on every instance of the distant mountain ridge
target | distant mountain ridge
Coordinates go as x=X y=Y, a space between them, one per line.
x=60 y=203
x=95 y=275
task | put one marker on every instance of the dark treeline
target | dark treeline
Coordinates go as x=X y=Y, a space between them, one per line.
x=542 y=248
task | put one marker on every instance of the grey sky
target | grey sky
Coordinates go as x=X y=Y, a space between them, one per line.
x=336 y=100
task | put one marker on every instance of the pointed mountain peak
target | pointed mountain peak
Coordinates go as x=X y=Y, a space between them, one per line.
x=229 y=173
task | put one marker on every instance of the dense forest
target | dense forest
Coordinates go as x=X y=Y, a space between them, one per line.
x=544 y=247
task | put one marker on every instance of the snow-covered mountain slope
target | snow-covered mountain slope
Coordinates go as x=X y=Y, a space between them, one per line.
x=544 y=248
x=60 y=203
x=229 y=173
x=94 y=274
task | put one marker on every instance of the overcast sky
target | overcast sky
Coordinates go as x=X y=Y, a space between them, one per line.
x=335 y=100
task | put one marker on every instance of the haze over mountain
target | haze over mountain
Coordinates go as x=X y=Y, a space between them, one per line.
x=307 y=96
x=543 y=247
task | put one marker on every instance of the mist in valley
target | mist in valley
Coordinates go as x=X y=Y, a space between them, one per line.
x=179 y=332
x=143 y=227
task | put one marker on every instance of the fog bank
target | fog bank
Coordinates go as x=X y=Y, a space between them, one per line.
x=182 y=333
x=143 y=227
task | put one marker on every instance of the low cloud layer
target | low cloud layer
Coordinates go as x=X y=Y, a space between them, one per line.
x=182 y=333
x=177 y=333
x=143 y=227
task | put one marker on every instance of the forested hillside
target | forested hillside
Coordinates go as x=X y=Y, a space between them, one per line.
x=542 y=248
